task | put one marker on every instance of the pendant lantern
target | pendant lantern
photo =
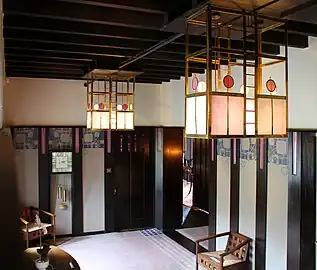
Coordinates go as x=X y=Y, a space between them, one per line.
x=241 y=98
x=110 y=99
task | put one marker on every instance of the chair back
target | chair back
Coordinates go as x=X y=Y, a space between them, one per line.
x=28 y=213
x=236 y=239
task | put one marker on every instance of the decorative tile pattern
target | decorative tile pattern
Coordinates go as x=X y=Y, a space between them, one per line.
x=60 y=139
x=248 y=149
x=278 y=151
x=151 y=232
x=223 y=147
x=25 y=138
x=61 y=162
x=93 y=139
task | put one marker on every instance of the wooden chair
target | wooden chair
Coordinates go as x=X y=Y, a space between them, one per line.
x=236 y=255
x=30 y=230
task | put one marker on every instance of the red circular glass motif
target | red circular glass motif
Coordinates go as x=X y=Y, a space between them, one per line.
x=271 y=85
x=195 y=82
x=124 y=107
x=88 y=106
x=228 y=81
x=101 y=106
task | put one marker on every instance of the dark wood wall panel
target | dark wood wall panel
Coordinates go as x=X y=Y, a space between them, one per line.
x=142 y=177
x=261 y=204
x=301 y=201
x=172 y=177
x=234 y=184
x=77 y=183
x=200 y=185
x=212 y=187
x=205 y=181
x=308 y=204
x=129 y=179
x=44 y=171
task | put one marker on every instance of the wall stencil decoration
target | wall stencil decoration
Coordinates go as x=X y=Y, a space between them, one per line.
x=277 y=152
x=93 y=139
x=25 y=138
x=60 y=139
x=248 y=150
x=223 y=147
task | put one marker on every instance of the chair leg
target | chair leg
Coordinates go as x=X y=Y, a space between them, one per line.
x=197 y=266
x=27 y=241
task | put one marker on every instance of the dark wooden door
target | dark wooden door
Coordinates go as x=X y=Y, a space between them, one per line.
x=132 y=180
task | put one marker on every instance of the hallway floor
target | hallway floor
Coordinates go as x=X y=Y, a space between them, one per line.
x=147 y=249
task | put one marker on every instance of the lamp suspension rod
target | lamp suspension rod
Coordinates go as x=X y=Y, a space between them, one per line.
x=150 y=50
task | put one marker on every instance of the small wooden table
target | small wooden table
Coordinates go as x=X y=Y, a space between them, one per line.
x=59 y=259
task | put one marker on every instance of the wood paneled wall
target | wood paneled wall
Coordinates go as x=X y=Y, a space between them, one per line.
x=172 y=178
x=301 y=196
x=301 y=201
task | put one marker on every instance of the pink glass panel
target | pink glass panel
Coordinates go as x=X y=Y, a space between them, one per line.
x=279 y=120
x=43 y=140
x=236 y=113
x=76 y=140
x=261 y=153
x=212 y=149
x=264 y=121
x=234 y=151
x=219 y=115
x=108 y=141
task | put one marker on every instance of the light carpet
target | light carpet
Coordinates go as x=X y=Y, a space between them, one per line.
x=137 y=250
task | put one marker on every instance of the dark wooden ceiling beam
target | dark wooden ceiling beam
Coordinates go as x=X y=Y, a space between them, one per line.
x=42 y=63
x=83 y=13
x=21 y=66
x=96 y=51
x=18 y=54
x=28 y=36
x=141 y=35
x=162 y=79
x=301 y=28
x=160 y=76
x=70 y=77
x=39 y=71
x=90 y=52
x=156 y=7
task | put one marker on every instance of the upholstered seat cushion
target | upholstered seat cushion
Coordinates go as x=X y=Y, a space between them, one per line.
x=215 y=256
x=33 y=227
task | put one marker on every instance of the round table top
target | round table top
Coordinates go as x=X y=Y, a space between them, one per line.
x=59 y=259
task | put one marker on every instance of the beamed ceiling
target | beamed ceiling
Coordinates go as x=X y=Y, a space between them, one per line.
x=66 y=38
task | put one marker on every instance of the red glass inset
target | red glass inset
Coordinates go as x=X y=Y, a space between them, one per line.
x=125 y=107
x=228 y=81
x=101 y=106
x=271 y=85
x=195 y=82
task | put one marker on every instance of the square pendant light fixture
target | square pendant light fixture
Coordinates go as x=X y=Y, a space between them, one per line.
x=243 y=92
x=110 y=99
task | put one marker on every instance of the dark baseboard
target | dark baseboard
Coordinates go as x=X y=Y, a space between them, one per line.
x=184 y=241
x=80 y=234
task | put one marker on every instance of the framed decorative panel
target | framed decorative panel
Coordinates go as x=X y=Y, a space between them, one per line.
x=278 y=151
x=93 y=139
x=62 y=162
x=25 y=138
x=60 y=139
